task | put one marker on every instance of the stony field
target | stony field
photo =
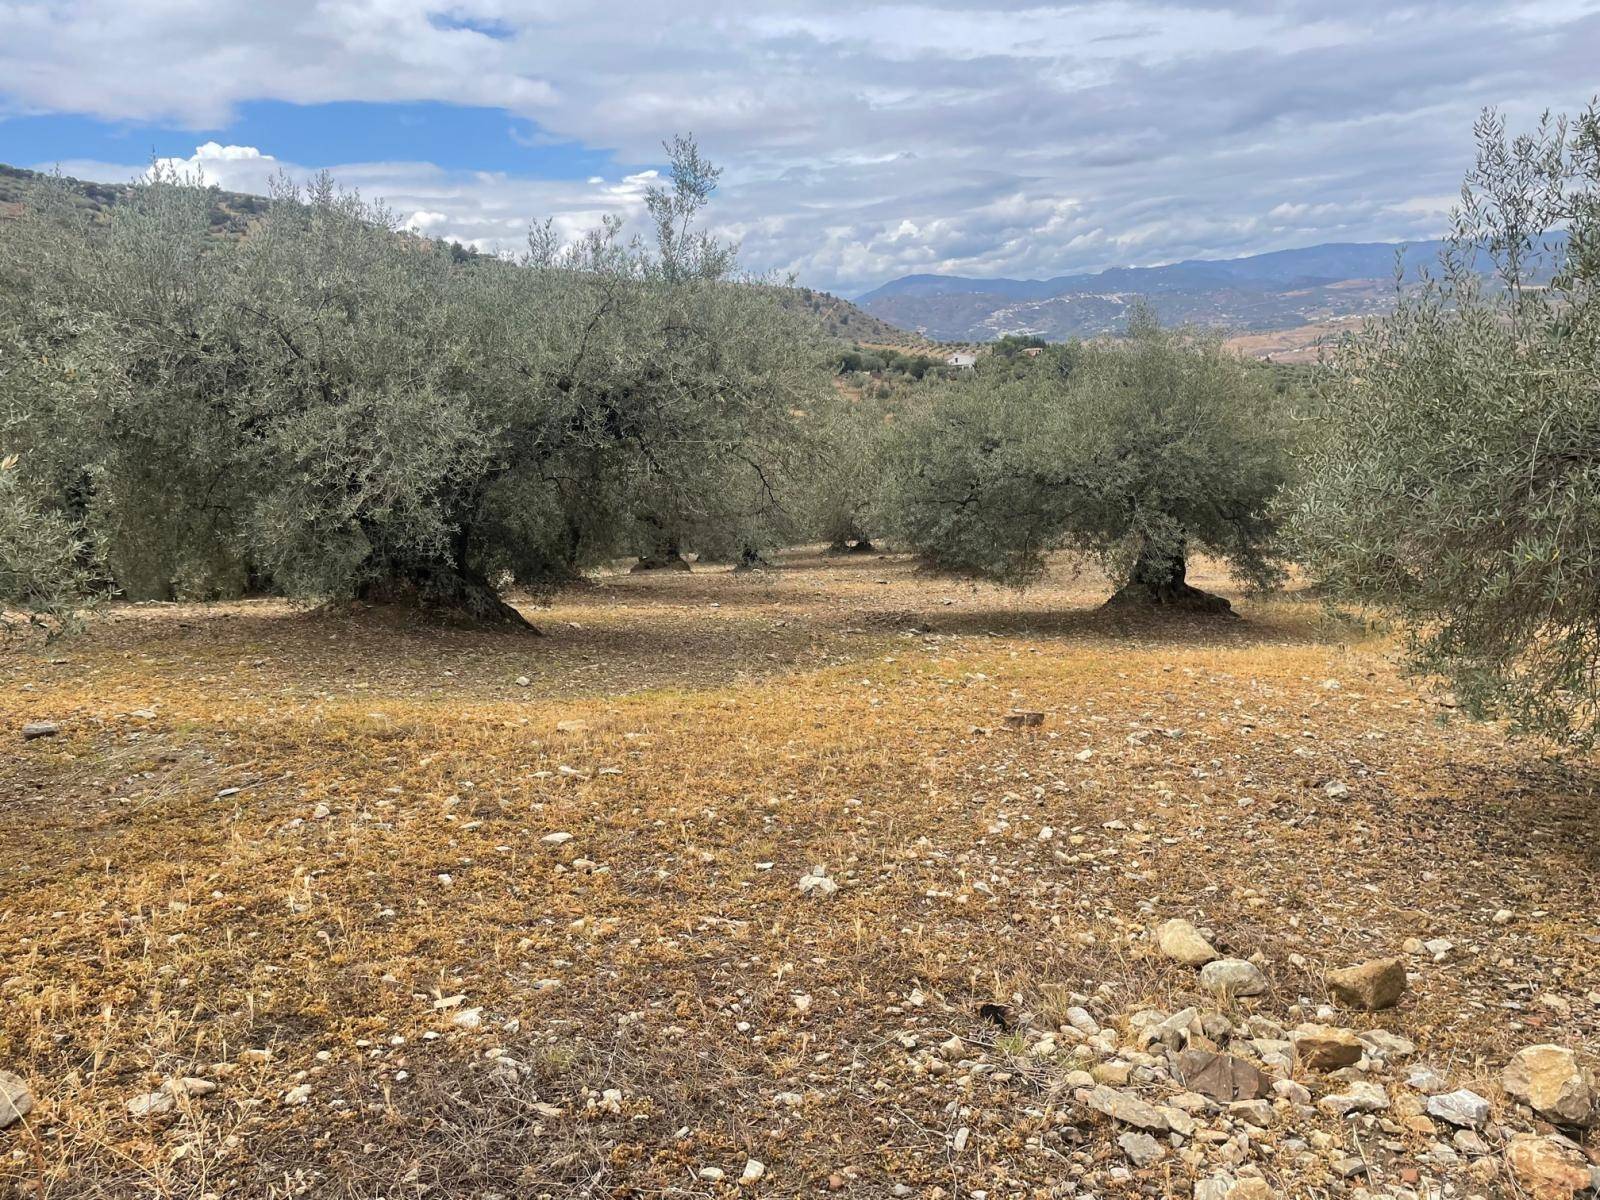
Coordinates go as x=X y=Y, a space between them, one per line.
x=743 y=885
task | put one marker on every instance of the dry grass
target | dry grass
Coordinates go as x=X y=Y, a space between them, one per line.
x=170 y=898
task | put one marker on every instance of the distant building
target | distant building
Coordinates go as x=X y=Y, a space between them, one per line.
x=965 y=361
x=1034 y=351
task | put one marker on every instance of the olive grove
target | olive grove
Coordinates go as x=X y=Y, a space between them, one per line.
x=330 y=407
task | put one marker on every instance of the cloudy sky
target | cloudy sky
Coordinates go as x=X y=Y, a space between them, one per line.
x=859 y=141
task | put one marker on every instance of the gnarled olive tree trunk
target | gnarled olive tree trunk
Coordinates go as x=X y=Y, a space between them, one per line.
x=1159 y=581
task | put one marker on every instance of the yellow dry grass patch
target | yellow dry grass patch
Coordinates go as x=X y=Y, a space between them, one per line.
x=268 y=831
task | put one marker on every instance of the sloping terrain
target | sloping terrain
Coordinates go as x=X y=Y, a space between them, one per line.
x=231 y=213
x=304 y=905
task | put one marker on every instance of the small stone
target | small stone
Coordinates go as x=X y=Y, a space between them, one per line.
x=1377 y=984
x=1326 y=1047
x=1233 y=977
x=817 y=883
x=189 y=1086
x=523 y=681
x=556 y=839
x=1142 y=1149
x=1180 y=940
x=1462 y=1108
x=16 y=1099
x=1550 y=1080
x=712 y=1174
x=1548 y=1169
x=1380 y=1043
x=1360 y=1097
x=754 y=1169
x=298 y=1094
x=1469 y=1142
x=1288 y=1089
x=152 y=1104
x=1256 y=1112
x=39 y=729
x=321 y=812
x=468 y=1018
x=1426 y=1080
x=1079 y=1019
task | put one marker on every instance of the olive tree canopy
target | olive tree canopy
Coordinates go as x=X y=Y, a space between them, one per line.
x=1455 y=471
x=328 y=406
x=1140 y=452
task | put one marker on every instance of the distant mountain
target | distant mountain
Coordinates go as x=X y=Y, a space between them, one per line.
x=1281 y=290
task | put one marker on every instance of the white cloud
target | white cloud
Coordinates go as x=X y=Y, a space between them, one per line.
x=866 y=140
x=238 y=168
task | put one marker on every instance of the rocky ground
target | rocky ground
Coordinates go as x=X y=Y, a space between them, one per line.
x=832 y=879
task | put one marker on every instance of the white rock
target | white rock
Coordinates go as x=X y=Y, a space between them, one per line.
x=1461 y=1108
x=556 y=839
x=1180 y=940
x=1233 y=977
x=152 y=1104
x=817 y=883
x=1360 y=1097
x=754 y=1169
x=16 y=1099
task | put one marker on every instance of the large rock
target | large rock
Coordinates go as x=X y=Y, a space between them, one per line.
x=1126 y=1108
x=1371 y=985
x=1546 y=1168
x=1221 y=1076
x=1233 y=977
x=1550 y=1080
x=16 y=1101
x=1327 y=1047
x=1180 y=940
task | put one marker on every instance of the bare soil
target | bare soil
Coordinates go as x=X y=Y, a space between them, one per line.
x=308 y=858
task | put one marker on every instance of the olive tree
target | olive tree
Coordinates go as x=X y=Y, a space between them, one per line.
x=1454 y=475
x=1139 y=452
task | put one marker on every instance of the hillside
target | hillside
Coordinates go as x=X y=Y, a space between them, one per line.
x=849 y=322
x=232 y=211
x=1283 y=290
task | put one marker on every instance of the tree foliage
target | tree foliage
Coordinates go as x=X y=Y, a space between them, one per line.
x=1455 y=474
x=327 y=407
x=1138 y=452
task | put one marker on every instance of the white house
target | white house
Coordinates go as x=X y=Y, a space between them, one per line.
x=967 y=361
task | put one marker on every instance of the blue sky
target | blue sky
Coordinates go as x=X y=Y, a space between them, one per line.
x=860 y=141
x=456 y=137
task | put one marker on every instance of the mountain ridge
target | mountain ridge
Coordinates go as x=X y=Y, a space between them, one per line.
x=1279 y=289
x=1324 y=261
